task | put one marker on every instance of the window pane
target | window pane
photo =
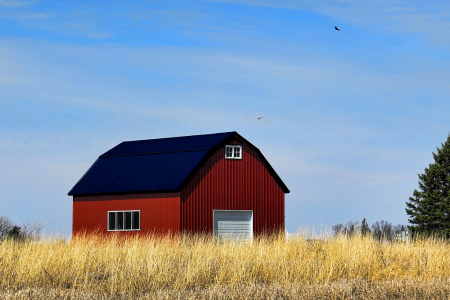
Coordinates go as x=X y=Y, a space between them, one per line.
x=111 y=220
x=237 y=152
x=127 y=222
x=229 y=151
x=119 y=220
x=136 y=220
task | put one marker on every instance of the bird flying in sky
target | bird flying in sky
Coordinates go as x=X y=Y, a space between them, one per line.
x=335 y=27
x=259 y=118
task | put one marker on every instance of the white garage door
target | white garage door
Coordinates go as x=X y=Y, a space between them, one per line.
x=234 y=224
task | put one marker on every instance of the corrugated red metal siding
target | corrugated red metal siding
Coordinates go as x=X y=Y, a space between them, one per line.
x=160 y=212
x=233 y=185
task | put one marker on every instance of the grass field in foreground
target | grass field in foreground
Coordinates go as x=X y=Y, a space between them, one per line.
x=345 y=289
x=183 y=266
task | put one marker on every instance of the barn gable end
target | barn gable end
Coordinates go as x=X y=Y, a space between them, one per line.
x=223 y=184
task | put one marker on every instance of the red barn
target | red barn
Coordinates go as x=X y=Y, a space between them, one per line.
x=217 y=183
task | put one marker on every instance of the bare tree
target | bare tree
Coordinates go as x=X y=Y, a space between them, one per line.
x=380 y=230
x=26 y=231
x=383 y=230
x=350 y=228
x=376 y=231
x=5 y=225
x=387 y=229
x=337 y=229
x=32 y=230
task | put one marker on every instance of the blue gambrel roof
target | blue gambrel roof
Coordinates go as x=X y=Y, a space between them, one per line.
x=176 y=144
x=147 y=165
x=151 y=165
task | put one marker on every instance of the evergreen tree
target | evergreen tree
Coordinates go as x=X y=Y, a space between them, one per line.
x=429 y=208
x=14 y=233
x=364 y=228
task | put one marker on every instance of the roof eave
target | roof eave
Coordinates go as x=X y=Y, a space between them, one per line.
x=126 y=192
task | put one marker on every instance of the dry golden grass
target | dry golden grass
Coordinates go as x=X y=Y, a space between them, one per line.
x=353 y=289
x=201 y=267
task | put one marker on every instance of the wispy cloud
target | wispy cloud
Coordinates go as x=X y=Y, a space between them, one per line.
x=87 y=30
x=398 y=15
x=71 y=24
x=26 y=16
x=16 y=3
x=217 y=80
x=292 y=164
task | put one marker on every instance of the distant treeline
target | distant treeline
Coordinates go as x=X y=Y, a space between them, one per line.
x=379 y=230
x=28 y=230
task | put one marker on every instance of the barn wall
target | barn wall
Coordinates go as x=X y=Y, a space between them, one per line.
x=233 y=185
x=160 y=213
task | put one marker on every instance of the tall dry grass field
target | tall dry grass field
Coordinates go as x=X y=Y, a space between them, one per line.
x=202 y=267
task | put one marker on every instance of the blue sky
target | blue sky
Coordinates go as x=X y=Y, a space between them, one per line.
x=350 y=117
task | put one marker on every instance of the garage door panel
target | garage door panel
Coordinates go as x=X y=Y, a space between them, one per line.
x=233 y=224
x=233 y=217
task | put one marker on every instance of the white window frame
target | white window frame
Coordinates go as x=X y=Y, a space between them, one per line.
x=123 y=225
x=233 y=151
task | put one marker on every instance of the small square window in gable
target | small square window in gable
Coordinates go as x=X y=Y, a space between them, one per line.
x=233 y=152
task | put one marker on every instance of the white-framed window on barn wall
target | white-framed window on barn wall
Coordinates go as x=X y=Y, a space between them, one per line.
x=233 y=152
x=125 y=220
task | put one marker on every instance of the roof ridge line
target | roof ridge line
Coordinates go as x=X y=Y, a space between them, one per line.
x=177 y=137
x=161 y=152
